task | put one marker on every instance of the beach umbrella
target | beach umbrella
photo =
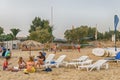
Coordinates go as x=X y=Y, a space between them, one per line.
x=31 y=43
x=116 y=20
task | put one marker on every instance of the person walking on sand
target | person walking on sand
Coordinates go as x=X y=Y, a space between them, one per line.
x=78 y=47
x=55 y=48
x=99 y=45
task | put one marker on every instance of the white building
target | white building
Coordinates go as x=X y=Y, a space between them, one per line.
x=14 y=44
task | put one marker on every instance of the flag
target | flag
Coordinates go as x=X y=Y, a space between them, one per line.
x=116 y=20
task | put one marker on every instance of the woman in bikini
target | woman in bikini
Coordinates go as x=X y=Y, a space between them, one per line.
x=30 y=65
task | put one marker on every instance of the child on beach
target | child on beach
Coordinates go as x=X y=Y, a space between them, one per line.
x=21 y=63
x=6 y=68
x=5 y=63
x=8 y=53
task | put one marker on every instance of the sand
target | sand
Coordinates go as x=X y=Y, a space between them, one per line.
x=62 y=73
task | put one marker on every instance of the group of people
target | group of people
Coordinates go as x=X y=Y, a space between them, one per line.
x=78 y=47
x=26 y=66
x=5 y=52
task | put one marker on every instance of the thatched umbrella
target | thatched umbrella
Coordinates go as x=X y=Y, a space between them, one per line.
x=30 y=45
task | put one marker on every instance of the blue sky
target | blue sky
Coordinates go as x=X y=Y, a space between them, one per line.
x=20 y=13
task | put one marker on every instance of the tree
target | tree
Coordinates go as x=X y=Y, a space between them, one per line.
x=81 y=33
x=15 y=32
x=40 y=30
x=43 y=24
x=35 y=23
x=40 y=35
x=1 y=30
x=7 y=37
x=77 y=35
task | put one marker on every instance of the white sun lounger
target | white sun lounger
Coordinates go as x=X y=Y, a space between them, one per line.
x=81 y=58
x=57 y=62
x=49 y=58
x=97 y=65
x=75 y=64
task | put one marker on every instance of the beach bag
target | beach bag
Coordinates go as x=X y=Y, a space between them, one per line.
x=48 y=69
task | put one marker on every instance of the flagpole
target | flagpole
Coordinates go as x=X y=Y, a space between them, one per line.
x=52 y=21
x=115 y=40
x=51 y=24
x=116 y=20
x=96 y=36
x=96 y=33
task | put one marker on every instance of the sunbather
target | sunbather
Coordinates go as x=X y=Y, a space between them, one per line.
x=21 y=63
x=41 y=59
x=6 y=65
x=30 y=66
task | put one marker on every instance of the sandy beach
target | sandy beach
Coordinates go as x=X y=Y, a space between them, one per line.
x=67 y=28
x=62 y=73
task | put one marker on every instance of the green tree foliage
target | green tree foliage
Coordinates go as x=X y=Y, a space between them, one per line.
x=85 y=33
x=9 y=37
x=43 y=24
x=100 y=36
x=41 y=35
x=40 y=30
x=6 y=37
x=108 y=35
x=1 y=30
x=77 y=34
x=15 y=32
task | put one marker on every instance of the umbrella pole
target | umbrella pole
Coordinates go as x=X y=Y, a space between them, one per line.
x=30 y=50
